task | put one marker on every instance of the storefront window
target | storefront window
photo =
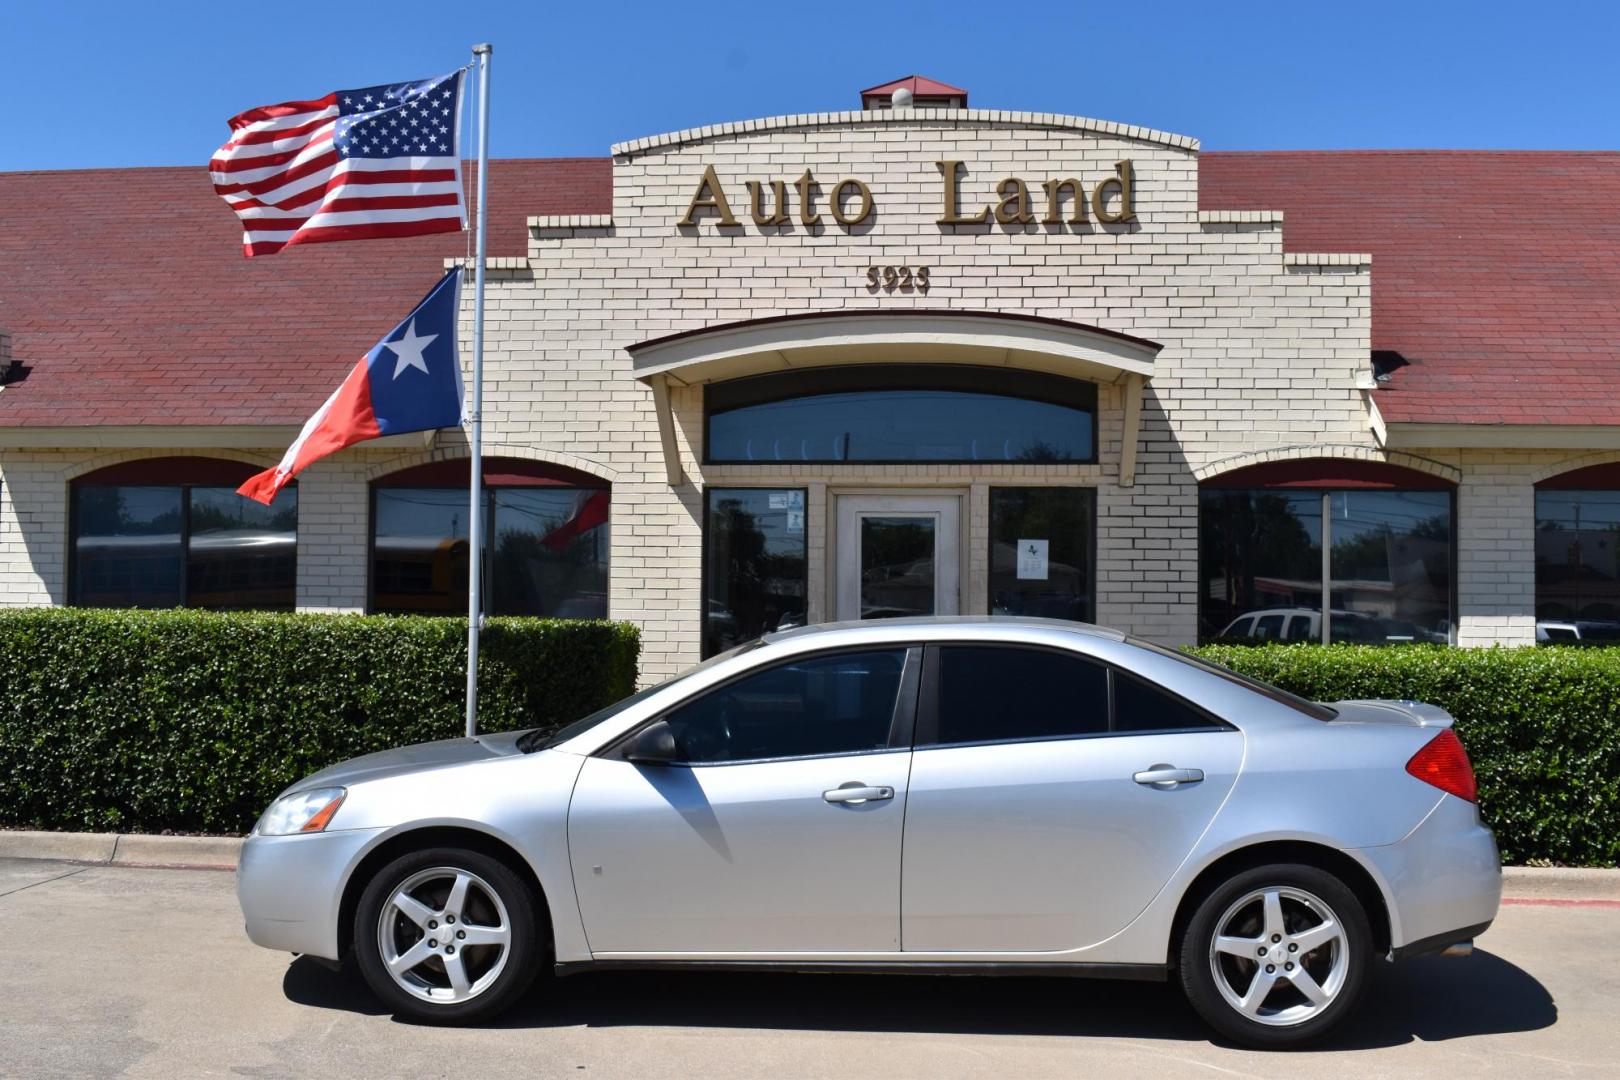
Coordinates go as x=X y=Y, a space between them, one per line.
x=148 y=544
x=1389 y=573
x=902 y=413
x=1578 y=565
x=546 y=551
x=1041 y=546
x=754 y=564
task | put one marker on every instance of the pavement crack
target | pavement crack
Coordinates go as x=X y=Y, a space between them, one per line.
x=46 y=881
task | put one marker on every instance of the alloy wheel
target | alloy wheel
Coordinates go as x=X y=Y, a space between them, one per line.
x=444 y=935
x=1279 y=955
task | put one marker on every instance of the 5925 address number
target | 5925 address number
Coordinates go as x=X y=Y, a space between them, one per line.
x=897 y=278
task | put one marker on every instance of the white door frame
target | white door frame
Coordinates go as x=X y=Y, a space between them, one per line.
x=843 y=565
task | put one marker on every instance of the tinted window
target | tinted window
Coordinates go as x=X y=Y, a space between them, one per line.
x=902 y=413
x=546 y=551
x=1268 y=627
x=987 y=693
x=141 y=545
x=1139 y=706
x=1299 y=628
x=1578 y=562
x=1040 y=551
x=755 y=564
x=819 y=705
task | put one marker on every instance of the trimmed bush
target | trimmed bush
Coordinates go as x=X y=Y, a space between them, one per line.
x=194 y=721
x=1542 y=727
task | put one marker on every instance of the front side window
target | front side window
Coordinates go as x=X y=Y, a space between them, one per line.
x=1041 y=544
x=1578 y=564
x=545 y=550
x=754 y=564
x=812 y=707
x=155 y=545
x=991 y=693
x=1389 y=573
x=902 y=413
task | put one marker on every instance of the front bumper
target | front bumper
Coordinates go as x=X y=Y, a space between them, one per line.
x=1444 y=879
x=291 y=887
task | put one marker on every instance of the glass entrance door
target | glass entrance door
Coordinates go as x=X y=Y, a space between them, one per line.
x=898 y=555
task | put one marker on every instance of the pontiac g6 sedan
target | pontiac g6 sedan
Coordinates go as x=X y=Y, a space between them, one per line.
x=941 y=795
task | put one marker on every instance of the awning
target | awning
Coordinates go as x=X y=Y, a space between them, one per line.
x=1025 y=342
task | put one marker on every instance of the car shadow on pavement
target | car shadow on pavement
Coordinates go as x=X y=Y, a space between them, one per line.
x=1426 y=999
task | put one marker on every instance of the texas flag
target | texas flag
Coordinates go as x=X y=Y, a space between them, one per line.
x=409 y=381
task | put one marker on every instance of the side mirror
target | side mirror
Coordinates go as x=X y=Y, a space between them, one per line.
x=653 y=745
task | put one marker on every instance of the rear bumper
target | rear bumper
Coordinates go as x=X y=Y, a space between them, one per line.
x=1439 y=943
x=291 y=888
x=1444 y=879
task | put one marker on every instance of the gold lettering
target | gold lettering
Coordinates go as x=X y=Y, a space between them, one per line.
x=807 y=194
x=1014 y=208
x=757 y=211
x=837 y=205
x=950 y=216
x=714 y=200
x=1054 y=201
x=1124 y=181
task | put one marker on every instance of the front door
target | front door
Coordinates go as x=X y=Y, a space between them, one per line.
x=898 y=555
x=778 y=833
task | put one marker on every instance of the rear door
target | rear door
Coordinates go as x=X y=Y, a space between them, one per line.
x=1028 y=828
x=754 y=845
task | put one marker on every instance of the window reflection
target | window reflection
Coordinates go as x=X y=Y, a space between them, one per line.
x=1261 y=564
x=1578 y=565
x=546 y=551
x=1057 y=582
x=146 y=545
x=754 y=563
x=897 y=566
x=1389 y=565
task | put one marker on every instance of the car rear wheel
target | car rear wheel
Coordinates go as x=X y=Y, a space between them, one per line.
x=447 y=936
x=1276 y=956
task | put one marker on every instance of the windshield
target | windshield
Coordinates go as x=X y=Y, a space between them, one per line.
x=1314 y=709
x=537 y=739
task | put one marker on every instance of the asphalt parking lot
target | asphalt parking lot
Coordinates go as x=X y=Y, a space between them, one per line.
x=113 y=971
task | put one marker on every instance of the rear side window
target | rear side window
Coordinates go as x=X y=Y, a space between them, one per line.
x=1140 y=706
x=997 y=694
x=1268 y=627
x=816 y=706
x=1299 y=628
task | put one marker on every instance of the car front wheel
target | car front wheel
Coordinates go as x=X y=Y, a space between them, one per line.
x=447 y=936
x=1276 y=956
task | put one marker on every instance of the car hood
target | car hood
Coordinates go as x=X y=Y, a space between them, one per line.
x=421 y=757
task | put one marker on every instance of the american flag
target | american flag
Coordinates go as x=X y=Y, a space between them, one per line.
x=354 y=165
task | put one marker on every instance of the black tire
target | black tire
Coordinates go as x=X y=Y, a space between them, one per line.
x=525 y=953
x=1198 y=965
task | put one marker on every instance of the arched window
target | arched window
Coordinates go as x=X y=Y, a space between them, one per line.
x=1578 y=555
x=1370 y=544
x=173 y=532
x=546 y=540
x=902 y=413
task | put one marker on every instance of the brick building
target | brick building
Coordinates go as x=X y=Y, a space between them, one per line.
x=860 y=363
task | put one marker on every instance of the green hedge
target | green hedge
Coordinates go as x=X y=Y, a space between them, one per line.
x=193 y=721
x=1542 y=726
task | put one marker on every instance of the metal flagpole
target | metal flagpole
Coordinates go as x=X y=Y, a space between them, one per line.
x=475 y=522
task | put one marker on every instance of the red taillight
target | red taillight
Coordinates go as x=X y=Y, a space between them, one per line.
x=1444 y=763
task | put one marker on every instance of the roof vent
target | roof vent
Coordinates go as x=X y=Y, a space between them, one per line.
x=923 y=92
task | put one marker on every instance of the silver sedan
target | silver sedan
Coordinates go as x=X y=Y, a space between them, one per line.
x=945 y=795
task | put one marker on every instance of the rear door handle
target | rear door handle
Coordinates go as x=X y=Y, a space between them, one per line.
x=1166 y=777
x=857 y=792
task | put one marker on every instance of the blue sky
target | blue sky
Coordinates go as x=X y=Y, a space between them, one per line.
x=98 y=84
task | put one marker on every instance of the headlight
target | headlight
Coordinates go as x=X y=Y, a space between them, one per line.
x=307 y=811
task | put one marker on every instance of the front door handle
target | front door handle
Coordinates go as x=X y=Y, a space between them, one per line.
x=857 y=793
x=1165 y=777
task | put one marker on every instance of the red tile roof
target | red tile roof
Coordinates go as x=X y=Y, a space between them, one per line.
x=1496 y=274
x=128 y=297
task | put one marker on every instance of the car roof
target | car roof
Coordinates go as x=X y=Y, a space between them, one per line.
x=955 y=622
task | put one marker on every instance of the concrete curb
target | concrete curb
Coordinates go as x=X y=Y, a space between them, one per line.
x=124 y=849
x=1560 y=883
